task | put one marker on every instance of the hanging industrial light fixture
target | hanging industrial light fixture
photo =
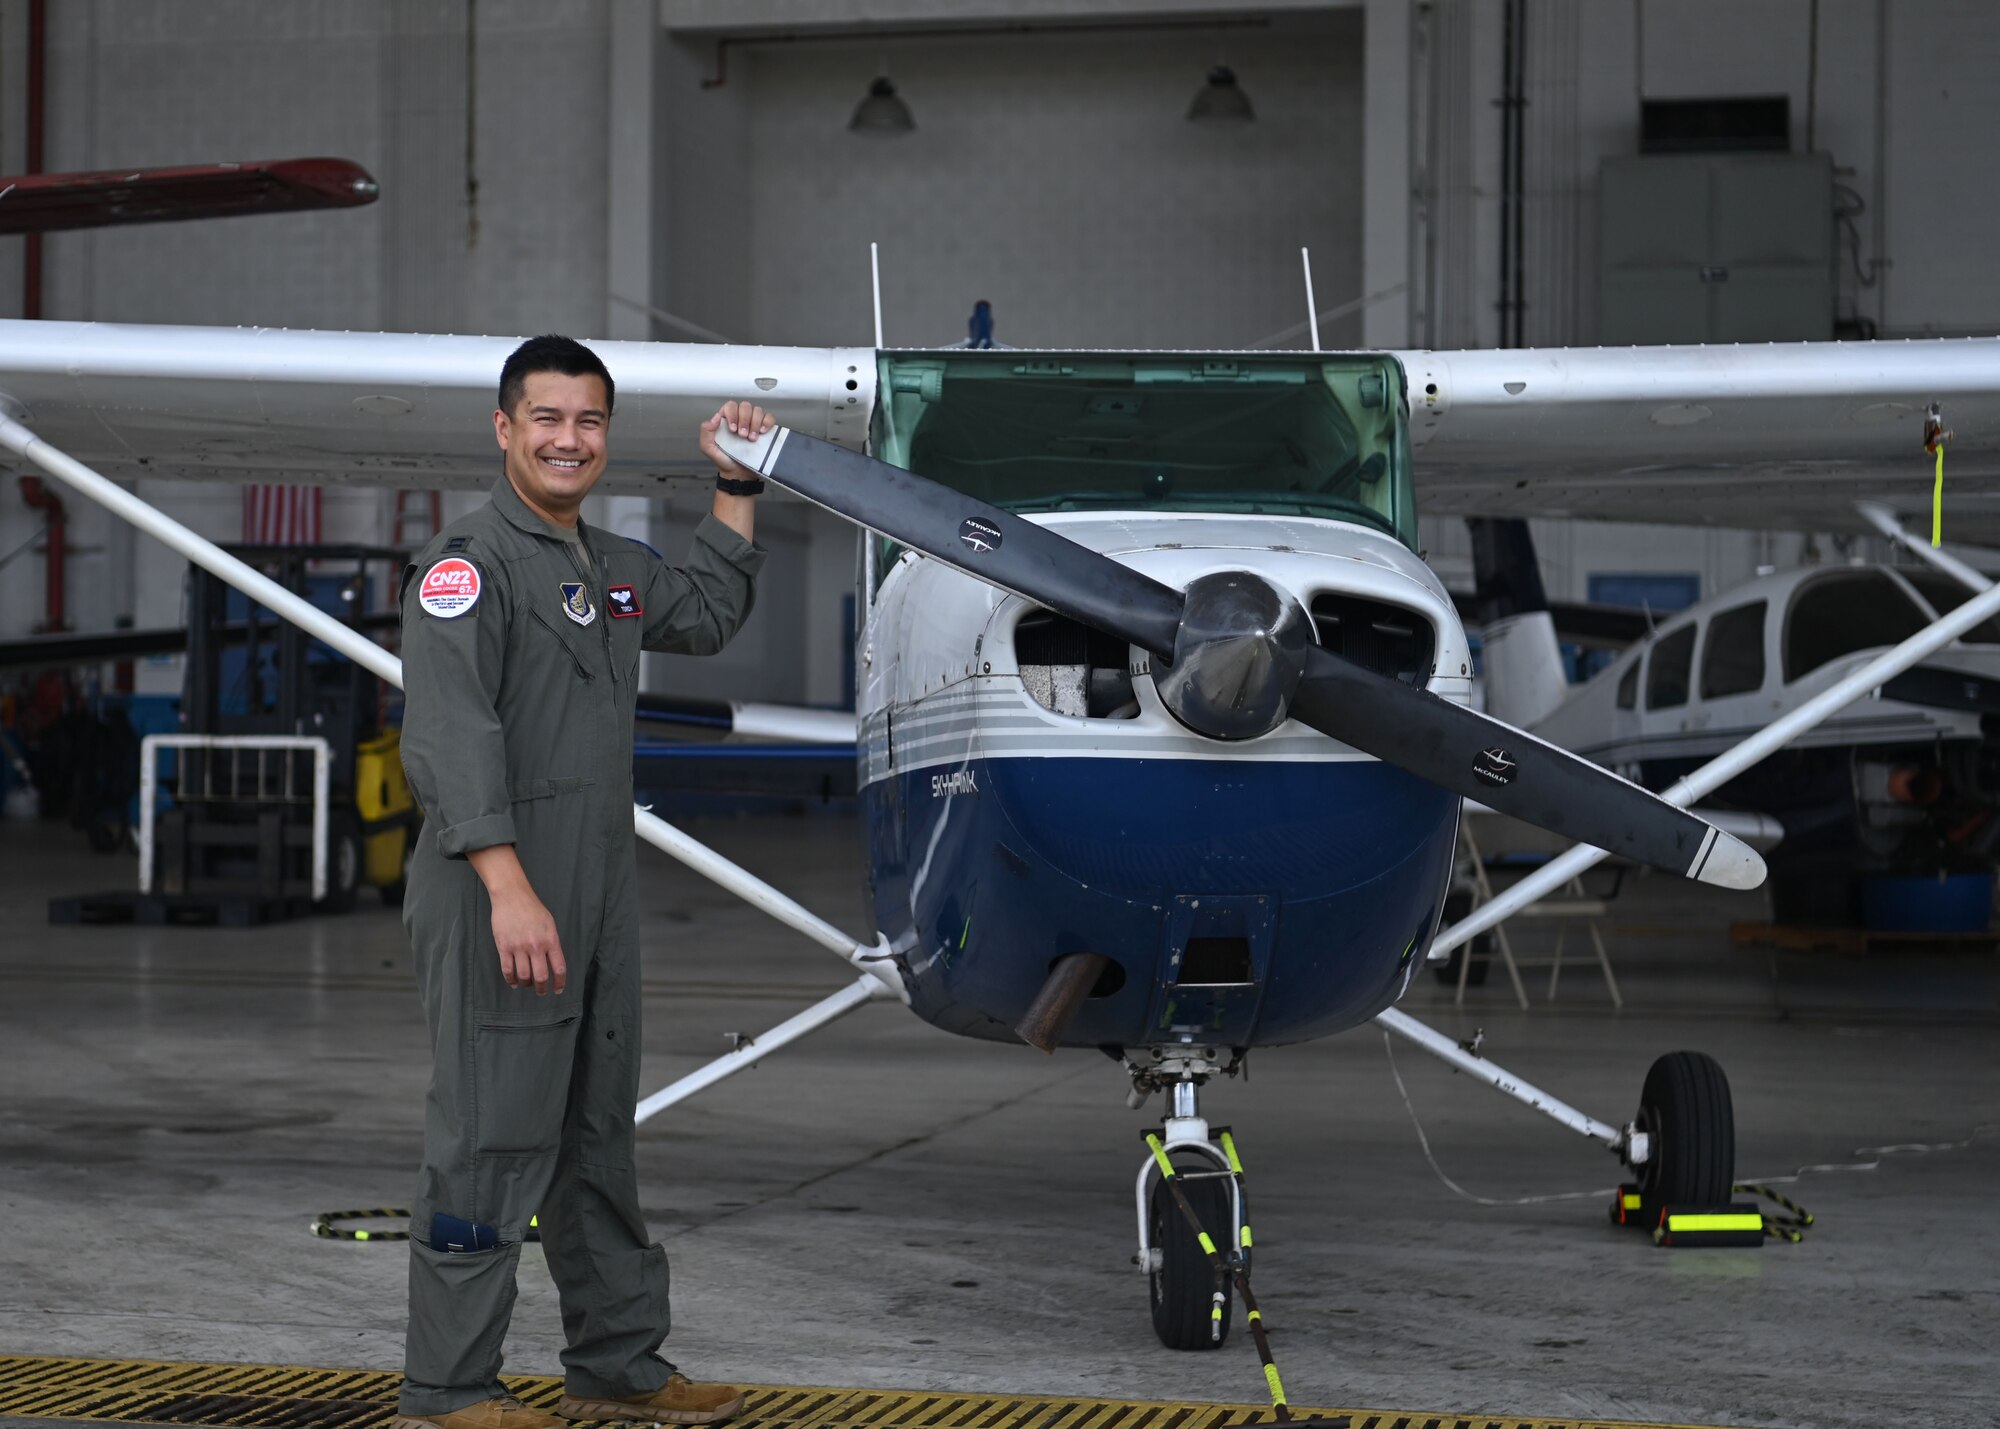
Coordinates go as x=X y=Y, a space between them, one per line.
x=1220 y=100
x=883 y=112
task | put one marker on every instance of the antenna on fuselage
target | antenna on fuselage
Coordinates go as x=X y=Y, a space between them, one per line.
x=875 y=271
x=1312 y=308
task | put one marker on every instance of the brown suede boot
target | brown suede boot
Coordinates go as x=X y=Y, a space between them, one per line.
x=502 y=1412
x=679 y=1401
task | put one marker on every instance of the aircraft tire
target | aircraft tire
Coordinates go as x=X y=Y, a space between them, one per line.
x=1183 y=1288
x=1687 y=1110
x=1457 y=906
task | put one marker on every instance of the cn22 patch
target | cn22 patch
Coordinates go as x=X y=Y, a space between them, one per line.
x=624 y=601
x=450 y=588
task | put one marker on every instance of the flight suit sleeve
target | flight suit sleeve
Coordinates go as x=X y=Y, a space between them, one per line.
x=453 y=748
x=694 y=610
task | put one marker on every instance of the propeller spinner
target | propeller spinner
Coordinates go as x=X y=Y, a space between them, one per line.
x=1234 y=657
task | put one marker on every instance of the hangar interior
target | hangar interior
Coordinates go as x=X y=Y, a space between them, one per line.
x=878 y=1207
x=1051 y=174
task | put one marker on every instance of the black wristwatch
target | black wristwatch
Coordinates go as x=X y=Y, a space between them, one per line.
x=731 y=486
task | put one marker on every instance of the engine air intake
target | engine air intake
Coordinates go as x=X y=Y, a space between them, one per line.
x=1387 y=639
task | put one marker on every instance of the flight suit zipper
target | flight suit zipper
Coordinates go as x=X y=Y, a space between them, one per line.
x=597 y=593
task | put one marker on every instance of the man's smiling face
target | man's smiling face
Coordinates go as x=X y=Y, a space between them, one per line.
x=554 y=440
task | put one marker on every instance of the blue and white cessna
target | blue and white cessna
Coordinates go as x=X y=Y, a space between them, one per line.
x=1163 y=720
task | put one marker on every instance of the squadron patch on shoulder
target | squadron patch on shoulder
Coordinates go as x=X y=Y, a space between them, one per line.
x=576 y=602
x=624 y=601
x=450 y=588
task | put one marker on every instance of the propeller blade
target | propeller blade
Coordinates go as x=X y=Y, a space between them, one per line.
x=964 y=532
x=1514 y=773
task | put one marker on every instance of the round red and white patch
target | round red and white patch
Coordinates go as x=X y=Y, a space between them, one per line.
x=450 y=588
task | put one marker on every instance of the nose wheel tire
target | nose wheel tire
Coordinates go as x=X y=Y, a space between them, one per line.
x=1183 y=1283
x=1686 y=1110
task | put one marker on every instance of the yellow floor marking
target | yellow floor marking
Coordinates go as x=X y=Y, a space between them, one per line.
x=263 y=1396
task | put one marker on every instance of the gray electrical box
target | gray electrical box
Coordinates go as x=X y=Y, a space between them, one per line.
x=1715 y=248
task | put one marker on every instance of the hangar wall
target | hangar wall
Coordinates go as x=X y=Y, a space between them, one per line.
x=1049 y=173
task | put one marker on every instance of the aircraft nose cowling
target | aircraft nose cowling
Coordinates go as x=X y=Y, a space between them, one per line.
x=1238 y=656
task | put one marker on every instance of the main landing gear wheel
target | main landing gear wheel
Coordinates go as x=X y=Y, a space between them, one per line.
x=1183 y=1282
x=1686 y=1111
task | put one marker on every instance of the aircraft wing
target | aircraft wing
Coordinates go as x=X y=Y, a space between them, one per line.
x=396 y=409
x=1777 y=436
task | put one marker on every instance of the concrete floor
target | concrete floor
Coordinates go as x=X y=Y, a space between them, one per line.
x=888 y=1206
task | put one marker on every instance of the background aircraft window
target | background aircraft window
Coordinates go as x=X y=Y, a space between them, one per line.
x=1732 y=659
x=1946 y=595
x=1667 y=670
x=1844 y=611
x=1628 y=687
x=1083 y=432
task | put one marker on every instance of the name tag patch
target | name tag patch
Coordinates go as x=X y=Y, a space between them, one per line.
x=576 y=602
x=624 y=601
x=450 y=588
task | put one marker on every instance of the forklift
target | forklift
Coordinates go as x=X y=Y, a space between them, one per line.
x=240 y=829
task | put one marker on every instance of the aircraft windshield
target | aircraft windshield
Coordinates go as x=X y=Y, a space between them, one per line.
x=1278 y=434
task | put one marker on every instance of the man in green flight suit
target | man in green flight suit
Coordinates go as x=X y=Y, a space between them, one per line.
x=522 y=629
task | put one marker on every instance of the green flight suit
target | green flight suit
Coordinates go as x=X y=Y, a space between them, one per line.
x=517 y=728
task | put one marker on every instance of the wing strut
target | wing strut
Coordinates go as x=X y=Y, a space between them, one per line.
x=1884 y=520
x=878 y=980
x=751 y=1050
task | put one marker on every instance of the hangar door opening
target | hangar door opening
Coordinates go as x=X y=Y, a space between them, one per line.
x=1056 y=175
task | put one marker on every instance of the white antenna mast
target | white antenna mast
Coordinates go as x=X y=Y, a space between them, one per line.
x=875 y=268
x=1312 y=309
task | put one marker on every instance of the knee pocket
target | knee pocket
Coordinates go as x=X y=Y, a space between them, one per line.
x=522 y=1073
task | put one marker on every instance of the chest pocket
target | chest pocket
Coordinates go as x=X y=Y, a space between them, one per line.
x=551 y=629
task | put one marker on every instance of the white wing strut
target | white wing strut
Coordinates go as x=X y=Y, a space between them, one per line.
x=1884 y=520
x=863 y=990
x=878 y=980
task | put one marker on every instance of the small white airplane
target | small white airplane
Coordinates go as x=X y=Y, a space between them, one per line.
x=1905 y=781
x=1164 y=724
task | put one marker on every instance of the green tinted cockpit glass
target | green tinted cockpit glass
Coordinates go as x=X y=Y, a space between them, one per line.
x=1279 y=434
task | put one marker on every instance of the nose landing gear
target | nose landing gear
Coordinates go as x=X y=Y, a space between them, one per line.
x=1190 y=1195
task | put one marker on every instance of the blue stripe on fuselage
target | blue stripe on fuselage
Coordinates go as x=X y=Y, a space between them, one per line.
x=1330 y=872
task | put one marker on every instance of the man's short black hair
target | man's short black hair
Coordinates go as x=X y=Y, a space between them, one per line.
x=551 y=353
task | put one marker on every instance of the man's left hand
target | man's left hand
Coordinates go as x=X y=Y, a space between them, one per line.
x=743 y=419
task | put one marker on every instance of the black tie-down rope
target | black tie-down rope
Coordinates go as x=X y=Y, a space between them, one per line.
x=1792 y=1226
x=1235 y=1267
x=323 y=1225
